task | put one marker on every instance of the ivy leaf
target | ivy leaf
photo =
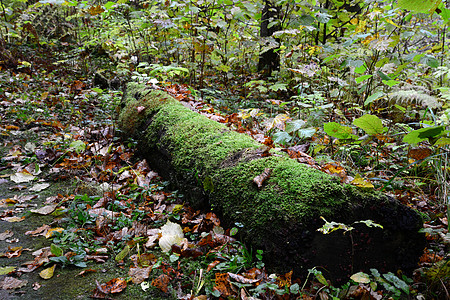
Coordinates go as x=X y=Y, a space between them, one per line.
x=370 y=124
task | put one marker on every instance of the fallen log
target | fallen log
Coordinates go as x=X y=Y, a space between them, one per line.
x=215 y=166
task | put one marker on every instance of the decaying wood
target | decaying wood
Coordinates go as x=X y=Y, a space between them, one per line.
x=280 y=213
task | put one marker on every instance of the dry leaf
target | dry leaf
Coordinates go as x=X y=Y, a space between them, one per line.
x=48 y=273
x=162 y=283
x=138 y=275
x=45 y=210
x=23 y=176
x=259 y=180
x=6 y=234
x=13 y=219
x=10 y=283
x=49 y=233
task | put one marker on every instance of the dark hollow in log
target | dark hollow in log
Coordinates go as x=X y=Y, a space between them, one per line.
x=215 y=167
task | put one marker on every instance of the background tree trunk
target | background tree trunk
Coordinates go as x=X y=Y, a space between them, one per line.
x=269 y=60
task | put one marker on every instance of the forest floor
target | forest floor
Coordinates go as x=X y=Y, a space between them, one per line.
x=80 y=213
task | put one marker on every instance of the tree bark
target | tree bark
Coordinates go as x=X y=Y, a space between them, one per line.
x=215 y=167
x=269 y=60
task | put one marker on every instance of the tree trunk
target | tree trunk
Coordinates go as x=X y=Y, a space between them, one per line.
x=215 y=167
x=269 y=60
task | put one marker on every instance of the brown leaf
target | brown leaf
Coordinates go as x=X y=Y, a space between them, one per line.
x=6 y=234
x=259 y=180
x=39 y=231
x=138 y=275
x=419 y=152
x=162 y=283
x=242 y=279
x=223 y=285
x=113 y=286
x=10 y=283
x=84 y=272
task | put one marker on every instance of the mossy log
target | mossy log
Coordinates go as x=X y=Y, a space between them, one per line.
x=215 y=167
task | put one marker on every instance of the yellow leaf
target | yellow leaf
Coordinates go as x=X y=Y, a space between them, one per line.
x=50 y=231
x=95 y=10
x=47 y=273
x=391 y=22
x=361 y=182
x=354 y=21
x=44 y=95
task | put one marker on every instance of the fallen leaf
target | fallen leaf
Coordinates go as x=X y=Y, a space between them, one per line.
x=419 y=153
x=84 y=272
x=6 y=234
x=138 y=275
x=259 y=180
x=162 y=283
x=39 y=231
x=49 y=233
x=45 y=210
x=36 y=286
x=171 y=233
x=13 y=219
x=23 y=176
x=6 y=270
x=14 y=252
x=115 y=285
x=361 y=182
x=10 y=283
x=39 y=187
x=48 y=273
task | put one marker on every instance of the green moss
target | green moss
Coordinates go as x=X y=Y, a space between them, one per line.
x=194 y=141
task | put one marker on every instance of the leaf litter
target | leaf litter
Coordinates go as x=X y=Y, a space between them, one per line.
x=121 y=210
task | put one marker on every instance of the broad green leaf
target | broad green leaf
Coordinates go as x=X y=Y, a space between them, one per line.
x=442 y=141
x=370 y=124
x=362 y=78
x=282 y=137
x=56 y=250
x=431 y=61
x=109 y=5
x=390 y=83
x=373 y=97
x=78 y=146
x=383 y=76
x=294 y=125
x=420 y=135
x=360 y=277
x=361 y=69
x=400 y=284
x=419 y=6
x=338 y=131
x=306 y=133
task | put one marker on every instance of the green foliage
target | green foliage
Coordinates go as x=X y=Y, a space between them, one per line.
x=370 y=124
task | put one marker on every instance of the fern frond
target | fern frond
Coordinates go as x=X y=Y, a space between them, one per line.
x=415 y=96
